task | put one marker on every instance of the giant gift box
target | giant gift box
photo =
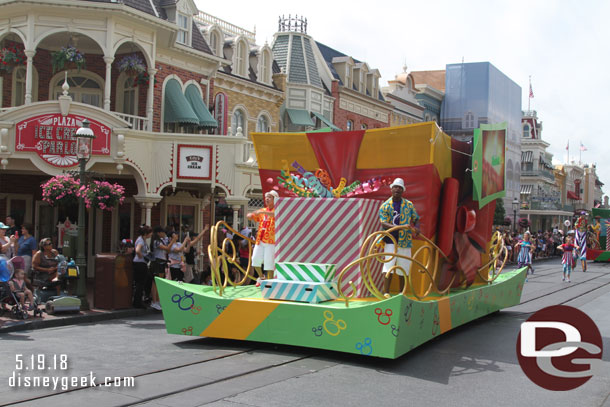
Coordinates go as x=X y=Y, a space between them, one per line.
x=327 y=230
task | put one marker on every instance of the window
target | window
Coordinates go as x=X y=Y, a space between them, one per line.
x=348 y=76
x=19 y=87
x=214 y=42
x=364 y=126
x=181 y=217
x=526 y=130
x=469 y=121
x=262 y=124
x=83 y=89
x=349 y=126
x=265 y=67
x=127 y=95
x=241 y=57
x=183 y=29
x=238 y=120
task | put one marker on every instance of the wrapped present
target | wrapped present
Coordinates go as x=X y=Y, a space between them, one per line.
x=301 y=291
x=317 y=273
x=327 y=231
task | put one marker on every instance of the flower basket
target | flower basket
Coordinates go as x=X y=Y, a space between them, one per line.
x=61 y=190
x=102 y=195
x=11 y=57
x=67 y=58
x=143 y=79
x=132 y=65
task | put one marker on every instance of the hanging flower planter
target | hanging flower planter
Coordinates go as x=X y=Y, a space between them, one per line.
x=61 y=190
x=132 y=65
x=67 y=58
x=143 y=79
x=11 y=57
x=103 y=195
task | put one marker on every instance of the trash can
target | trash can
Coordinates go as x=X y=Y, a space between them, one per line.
x=113 y=281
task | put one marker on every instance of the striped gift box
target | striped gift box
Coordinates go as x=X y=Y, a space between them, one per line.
x=301 y=291
x=327 y=231
x=317 y=273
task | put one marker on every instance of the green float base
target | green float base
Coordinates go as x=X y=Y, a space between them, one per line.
x=387 y=328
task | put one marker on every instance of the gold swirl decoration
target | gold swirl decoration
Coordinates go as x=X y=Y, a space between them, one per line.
x=433 y=258
x=221 y=262
x=427 y=260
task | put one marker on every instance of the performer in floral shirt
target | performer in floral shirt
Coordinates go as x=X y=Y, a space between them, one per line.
x=264 y=249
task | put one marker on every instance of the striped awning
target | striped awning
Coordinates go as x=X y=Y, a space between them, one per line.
x=527 y=157
x=526 y=189
x=194 y=98
x=326 y=121
x=177 y=108
x=300 y=117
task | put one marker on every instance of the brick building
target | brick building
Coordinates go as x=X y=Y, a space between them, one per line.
x=149 y=122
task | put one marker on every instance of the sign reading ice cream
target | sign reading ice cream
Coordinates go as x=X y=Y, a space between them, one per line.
x=53 y=138
x=194 y=162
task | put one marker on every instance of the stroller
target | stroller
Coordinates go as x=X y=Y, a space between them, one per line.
x=8 y=297
x=46 y=291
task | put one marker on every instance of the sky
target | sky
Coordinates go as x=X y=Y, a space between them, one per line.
x=562 y=45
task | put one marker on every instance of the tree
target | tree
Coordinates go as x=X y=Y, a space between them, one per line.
x=500 y=213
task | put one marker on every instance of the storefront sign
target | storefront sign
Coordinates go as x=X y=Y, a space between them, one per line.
x=194 y=162
x=220 y=113
x=52 y=137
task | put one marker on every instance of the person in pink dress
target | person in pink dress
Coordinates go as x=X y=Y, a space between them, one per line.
x=567 y=248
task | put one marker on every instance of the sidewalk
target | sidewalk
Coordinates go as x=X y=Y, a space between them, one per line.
x=9 y=324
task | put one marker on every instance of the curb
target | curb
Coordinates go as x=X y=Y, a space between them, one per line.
x=73 y=320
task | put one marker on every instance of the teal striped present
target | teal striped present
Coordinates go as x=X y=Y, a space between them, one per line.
x=301 y=291
x=316 y=273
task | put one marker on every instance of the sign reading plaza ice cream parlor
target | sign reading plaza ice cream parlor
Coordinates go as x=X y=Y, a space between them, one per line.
x=53 y=138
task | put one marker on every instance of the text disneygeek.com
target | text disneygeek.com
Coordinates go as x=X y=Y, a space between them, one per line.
x=19 y=380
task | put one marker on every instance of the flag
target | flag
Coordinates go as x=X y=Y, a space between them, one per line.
x=568 y=146
x=582 y=147
x=531 y=91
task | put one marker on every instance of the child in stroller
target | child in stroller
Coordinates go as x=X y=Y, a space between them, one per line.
x=13 y=291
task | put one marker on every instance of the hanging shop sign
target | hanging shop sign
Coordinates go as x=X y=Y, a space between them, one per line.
x=53 y=138
x=194 y=162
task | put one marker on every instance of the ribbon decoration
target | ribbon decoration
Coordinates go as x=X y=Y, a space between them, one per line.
x=318 y=183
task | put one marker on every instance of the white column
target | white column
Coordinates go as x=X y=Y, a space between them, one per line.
x=148 y=206
x=150 y=98
x=108 y=82
x=236 y=209
x=29 y=72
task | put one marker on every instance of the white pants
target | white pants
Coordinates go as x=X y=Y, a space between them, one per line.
x=404 y=263
x=264 y=252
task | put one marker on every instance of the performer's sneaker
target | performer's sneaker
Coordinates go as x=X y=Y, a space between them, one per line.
x=258 y=282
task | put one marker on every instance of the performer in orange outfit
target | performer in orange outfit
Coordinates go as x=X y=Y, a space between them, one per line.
x=264 y=249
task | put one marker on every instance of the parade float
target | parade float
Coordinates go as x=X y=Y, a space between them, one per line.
x=326 y=290
x=599 y=245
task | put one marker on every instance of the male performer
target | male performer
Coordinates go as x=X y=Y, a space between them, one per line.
x=581 y=240
x=264 y=249
x=393 y=212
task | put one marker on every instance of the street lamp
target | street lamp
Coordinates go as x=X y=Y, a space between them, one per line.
x=515 y=207
x=84 y=142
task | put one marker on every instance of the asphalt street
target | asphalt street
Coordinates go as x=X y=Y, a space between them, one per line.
x=475 y=364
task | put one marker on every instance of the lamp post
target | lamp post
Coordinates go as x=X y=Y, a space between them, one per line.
x=84 y=142
x=515 y=207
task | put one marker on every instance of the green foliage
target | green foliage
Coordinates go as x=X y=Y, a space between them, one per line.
x=500 y=212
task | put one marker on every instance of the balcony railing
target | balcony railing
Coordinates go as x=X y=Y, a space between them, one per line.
x=225 y=25
x=137 y=122
x=538 y=173
x=547 y=206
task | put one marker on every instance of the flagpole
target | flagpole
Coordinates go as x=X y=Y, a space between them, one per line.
x=580 y=154
x=529 y=98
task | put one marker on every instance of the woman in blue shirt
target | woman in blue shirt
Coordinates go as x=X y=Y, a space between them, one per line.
x=26 y=246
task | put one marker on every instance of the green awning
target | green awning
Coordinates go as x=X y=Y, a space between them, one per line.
x=322 y=130
x=177 y=108
x=300 y=117
x=326 y=121
x=194 y=97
